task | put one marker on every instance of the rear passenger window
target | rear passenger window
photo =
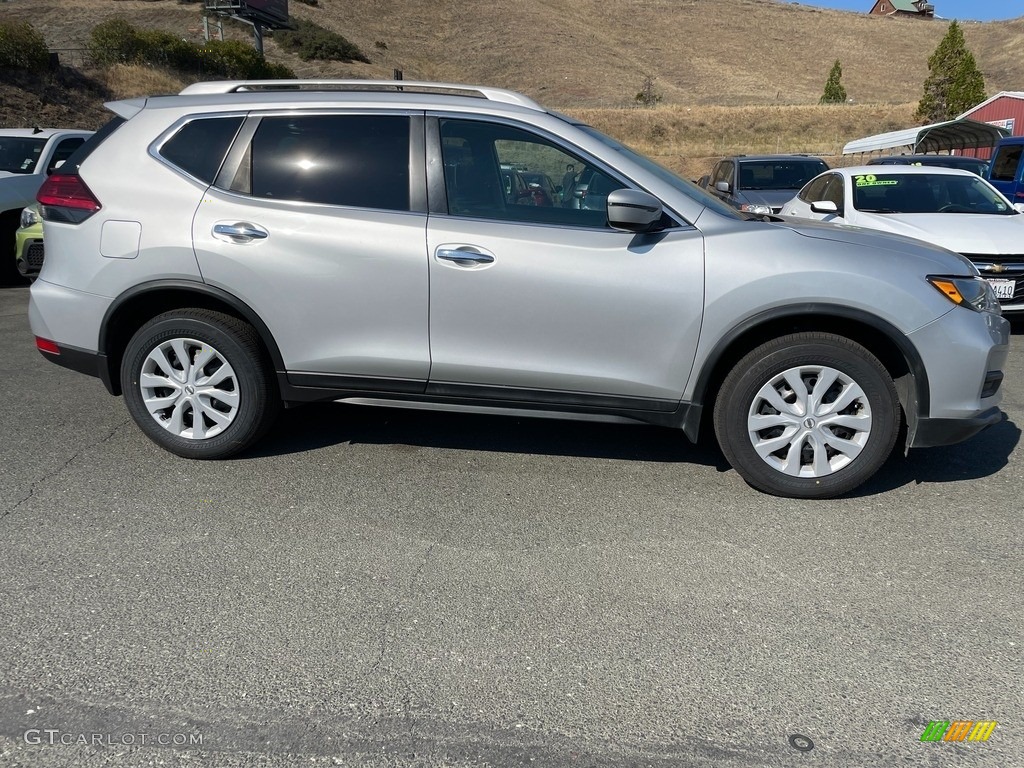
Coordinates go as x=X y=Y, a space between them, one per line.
x=357 y=160
x=198 y=148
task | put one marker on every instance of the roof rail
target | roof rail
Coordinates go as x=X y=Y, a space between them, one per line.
x=416 y=86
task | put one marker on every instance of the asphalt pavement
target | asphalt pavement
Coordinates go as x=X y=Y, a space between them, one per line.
x=387 y=587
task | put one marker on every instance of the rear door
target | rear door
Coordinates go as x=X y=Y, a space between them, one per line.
x=318 y=222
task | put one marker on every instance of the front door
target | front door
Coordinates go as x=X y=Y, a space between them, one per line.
x=538 y=301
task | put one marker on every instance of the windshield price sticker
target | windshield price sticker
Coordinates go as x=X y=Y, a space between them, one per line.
x=870 y=180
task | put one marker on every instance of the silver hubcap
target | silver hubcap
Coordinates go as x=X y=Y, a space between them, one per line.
x=809 y=421
x=189 y=388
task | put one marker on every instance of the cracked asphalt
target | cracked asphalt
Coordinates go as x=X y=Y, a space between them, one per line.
x=398 y=588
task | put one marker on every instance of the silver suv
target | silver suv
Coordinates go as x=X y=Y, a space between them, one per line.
x=215 y=254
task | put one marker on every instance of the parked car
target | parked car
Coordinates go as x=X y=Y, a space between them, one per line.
x=542 y=187
x=973 y=164
x=1006 y=168
x=336 y=252
x=761 y=184
x=952 y=208
x=27 y=156
x=592 y=189
x=28 y=242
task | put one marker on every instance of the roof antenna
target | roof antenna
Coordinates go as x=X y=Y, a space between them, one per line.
x=37 y=129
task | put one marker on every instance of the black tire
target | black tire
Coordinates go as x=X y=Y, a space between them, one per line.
x=9 y=274
x=822 y=454
x=248 y=383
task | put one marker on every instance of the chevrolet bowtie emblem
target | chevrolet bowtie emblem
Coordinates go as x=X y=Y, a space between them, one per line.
x=995 y=268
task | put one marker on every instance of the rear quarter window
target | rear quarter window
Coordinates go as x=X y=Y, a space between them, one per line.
x=199 y=146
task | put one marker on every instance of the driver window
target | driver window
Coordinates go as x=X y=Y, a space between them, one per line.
x=494 y=171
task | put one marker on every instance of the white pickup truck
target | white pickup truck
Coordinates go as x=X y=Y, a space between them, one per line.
x=27 y=157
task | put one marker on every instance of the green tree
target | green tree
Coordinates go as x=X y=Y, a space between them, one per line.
x=954 y=84
x=834 y=91
x=647 y=96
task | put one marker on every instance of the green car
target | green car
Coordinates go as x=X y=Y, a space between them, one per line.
x=28 y=242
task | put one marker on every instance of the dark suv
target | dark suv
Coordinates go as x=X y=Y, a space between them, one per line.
x=761 y=184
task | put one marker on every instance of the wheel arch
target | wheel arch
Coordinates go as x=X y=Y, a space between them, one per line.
x=890 y=345
x=129 y=311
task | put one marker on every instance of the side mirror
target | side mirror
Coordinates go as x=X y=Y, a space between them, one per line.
x=1019 y=207
x=633 y=211
x=825 y=206
x=722 y=186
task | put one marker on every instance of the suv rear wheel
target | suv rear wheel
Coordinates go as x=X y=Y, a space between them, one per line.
x=809 y=415
x=196 y=382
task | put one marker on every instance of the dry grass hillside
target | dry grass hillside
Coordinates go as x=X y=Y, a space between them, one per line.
x=592 y=53
x=734 y=75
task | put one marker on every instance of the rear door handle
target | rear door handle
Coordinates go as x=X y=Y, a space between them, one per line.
x=239 y=232
x=463 y=256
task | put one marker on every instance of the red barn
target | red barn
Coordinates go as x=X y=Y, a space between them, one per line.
x=1005 y=109
x=919 y=9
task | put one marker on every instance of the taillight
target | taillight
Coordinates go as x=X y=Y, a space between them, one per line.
x=45 y=345
x=65 y=197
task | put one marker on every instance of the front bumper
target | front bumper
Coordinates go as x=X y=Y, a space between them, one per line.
x=935 y=432
x=964 y=354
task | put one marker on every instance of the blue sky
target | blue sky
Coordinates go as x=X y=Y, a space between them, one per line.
x=978 y=10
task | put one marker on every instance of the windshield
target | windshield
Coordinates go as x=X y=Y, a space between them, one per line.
x=776 y=175
x=19 y=154
x=927 y=193
x=685 y=186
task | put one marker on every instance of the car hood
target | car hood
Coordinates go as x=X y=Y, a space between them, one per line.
x=775 y=198
x=963 y=233
x=944 y=261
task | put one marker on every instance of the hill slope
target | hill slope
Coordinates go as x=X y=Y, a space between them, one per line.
x=591 y=53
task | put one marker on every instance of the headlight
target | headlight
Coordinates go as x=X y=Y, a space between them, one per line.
x=29 y=216
x=971 y=292
x=758 y=209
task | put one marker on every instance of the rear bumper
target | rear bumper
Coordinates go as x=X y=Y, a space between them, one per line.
x=82 y=361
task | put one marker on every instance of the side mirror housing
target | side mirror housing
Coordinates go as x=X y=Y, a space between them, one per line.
x=825 y=206
x=722 y=186
x=633 y=211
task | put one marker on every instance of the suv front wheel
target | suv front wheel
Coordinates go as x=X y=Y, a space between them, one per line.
x=809 y=415
x=196 y=383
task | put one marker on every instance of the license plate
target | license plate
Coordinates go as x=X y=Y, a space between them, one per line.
x=1003 y=288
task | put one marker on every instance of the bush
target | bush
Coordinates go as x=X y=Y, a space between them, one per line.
x=238 y=61
x=115 y=42
x=311 y=41
x=21 y=47
x=118 y=42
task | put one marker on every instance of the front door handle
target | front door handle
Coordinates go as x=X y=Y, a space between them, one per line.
x=239 y=232
x=463 y=257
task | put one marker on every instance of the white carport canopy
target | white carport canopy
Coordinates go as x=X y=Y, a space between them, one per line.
x=937 y=137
